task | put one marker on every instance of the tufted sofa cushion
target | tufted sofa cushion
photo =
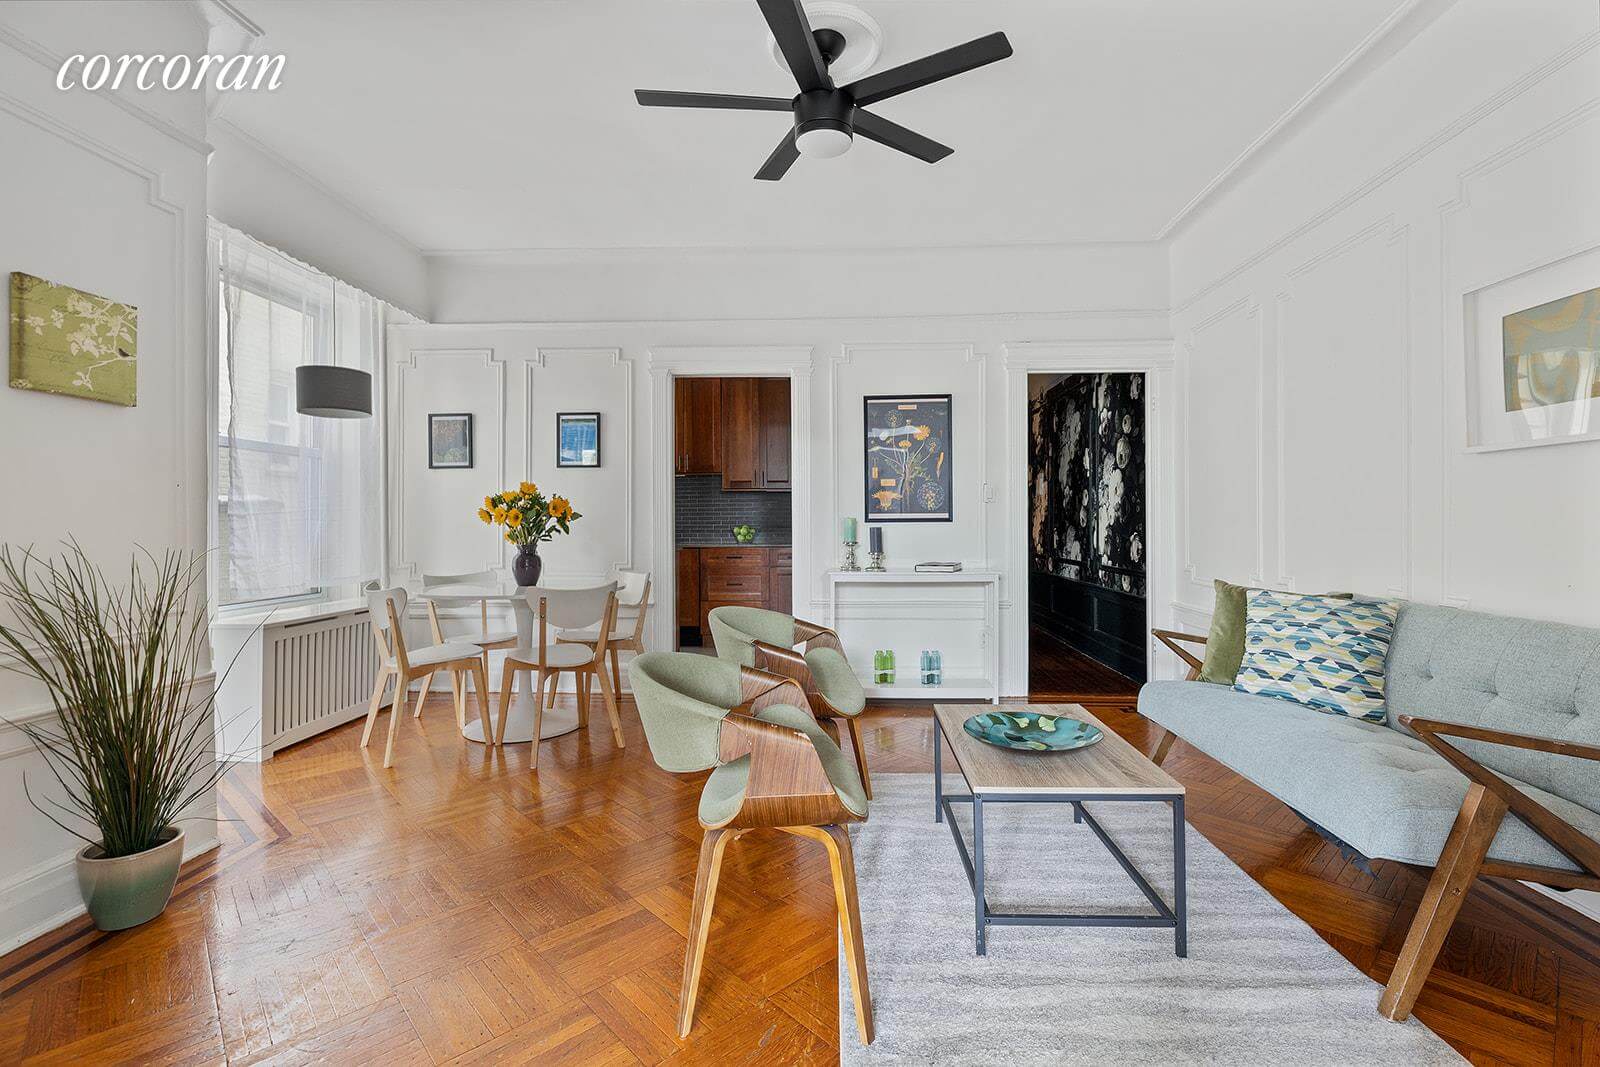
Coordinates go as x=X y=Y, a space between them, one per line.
x=1383 y=791
x=1503 y=673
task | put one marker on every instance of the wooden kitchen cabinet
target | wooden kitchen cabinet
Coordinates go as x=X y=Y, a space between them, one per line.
x=774 y=420
x=741 y=434
x=745 y=575
x=697 y=425
x=780 y=580
x=688 y=587
x=755 y=437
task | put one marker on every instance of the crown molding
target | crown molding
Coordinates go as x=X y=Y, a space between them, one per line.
x=1366 y=56
x=677 y=253
x=234 y=130
x=28 y=47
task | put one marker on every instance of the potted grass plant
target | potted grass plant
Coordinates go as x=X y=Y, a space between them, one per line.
x=127 y=745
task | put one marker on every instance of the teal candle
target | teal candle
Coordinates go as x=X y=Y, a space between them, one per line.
x=849 y=530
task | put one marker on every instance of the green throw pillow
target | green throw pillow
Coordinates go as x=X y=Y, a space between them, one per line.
x=1225 y=644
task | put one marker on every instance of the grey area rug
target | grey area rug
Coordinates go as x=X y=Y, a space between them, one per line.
x=1259 y=986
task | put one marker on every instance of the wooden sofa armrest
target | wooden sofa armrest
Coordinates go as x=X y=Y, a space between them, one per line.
x=1579 y=847
x=1170 y=638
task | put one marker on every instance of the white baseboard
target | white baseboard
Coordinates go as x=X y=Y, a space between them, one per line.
x=1582 y=901
x=45 y=896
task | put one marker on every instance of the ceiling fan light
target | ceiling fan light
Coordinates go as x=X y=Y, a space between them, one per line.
x=823 y=140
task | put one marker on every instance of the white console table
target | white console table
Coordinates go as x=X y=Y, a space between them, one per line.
x=976 y=678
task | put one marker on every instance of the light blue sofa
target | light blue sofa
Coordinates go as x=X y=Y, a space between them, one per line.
x=1413 y=788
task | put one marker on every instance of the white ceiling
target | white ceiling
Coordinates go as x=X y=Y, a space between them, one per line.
x=489 y=124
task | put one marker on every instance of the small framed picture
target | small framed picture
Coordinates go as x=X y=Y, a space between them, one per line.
x=450 y=442
x=908 y=458
x=578 y=439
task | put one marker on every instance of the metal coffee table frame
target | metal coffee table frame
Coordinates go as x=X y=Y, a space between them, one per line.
x=1175 y=916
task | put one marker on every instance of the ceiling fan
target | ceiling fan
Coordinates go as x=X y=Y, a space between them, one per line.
x=827 y=116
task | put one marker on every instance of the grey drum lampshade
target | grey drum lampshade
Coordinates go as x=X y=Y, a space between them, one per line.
x=327 y=392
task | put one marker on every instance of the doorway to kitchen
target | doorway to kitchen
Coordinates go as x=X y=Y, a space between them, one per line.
x=732 y=499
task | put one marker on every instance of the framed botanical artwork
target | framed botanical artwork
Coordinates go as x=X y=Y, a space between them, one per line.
x=73 y=343
x=1533 y=357
x=907 y=458
x=578 y=439
x=450 y=442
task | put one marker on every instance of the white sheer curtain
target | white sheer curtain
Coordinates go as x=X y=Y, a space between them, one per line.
x=298 y=499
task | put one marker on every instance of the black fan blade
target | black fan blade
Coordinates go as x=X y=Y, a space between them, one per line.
x=792 y=31
x=782 y=158
x=892 y=134
x=928 y=69
x=730 y=101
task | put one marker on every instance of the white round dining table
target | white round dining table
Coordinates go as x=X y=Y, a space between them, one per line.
x=519 y=709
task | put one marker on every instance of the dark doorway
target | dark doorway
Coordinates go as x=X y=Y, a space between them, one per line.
x=1086 y=587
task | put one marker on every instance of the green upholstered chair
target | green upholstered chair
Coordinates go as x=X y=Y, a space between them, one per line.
x=772 y=766
x=766 y=640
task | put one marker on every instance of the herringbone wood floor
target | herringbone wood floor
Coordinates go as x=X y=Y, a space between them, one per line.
x=458 y=908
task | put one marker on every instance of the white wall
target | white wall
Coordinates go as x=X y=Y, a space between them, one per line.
x=543 y=350
x=107 y=195
x=253 y=190
x=1318 y=311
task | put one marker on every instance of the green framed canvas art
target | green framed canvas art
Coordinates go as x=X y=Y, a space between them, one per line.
x=73 y=343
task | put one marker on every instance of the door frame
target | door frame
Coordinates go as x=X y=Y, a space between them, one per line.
x=1156 y=360
x=669 y=362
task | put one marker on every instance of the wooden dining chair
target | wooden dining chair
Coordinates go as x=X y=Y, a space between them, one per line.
x=484 y=638
x=546 y=659
x=772 y=767
x=627 y=635
x=385 y=608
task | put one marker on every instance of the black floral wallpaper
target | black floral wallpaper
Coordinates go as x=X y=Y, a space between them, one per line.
x=1086 y=463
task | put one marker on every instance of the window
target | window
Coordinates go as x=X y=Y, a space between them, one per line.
x=297 y=498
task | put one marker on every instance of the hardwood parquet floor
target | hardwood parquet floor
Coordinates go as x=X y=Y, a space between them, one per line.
x=459 y=909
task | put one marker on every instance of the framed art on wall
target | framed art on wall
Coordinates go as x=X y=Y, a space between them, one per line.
x=907 y=458
x=578 y=439
x=450 y=441
x=1533 y=357
x=72 y=343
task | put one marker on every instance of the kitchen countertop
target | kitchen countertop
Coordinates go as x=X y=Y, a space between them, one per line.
x=759 y=542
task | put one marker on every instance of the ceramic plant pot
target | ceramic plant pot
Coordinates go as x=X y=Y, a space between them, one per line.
x=125 y=891
x=526 y=566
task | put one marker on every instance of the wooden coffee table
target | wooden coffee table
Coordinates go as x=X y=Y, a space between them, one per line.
x=1109 y=770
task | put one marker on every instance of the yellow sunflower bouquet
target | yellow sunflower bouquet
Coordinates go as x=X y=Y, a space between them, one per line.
x=527 y=515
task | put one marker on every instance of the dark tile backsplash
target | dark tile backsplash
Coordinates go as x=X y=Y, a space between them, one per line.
x=706 y=515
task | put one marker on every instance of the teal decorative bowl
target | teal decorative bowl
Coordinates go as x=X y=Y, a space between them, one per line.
x=1031 y=733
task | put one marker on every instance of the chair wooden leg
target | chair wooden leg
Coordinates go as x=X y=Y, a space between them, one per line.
x=538 y=711
x=555 y=683
x=458 y=696
x=1476 y=824
x=422 y=694
x=712 y=847
x=861 y=756
x=396 y=712
x=580 y=682
x=508 y=688
x=1163 y=747
x=616 y=671
x=480 y=682
x=372 y=707
x=610 y=697
x=836 y=839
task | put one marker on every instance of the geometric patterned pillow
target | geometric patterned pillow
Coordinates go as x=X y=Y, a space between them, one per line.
x=1321 y=651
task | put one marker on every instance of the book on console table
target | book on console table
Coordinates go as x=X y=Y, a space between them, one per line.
x=937 y=567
